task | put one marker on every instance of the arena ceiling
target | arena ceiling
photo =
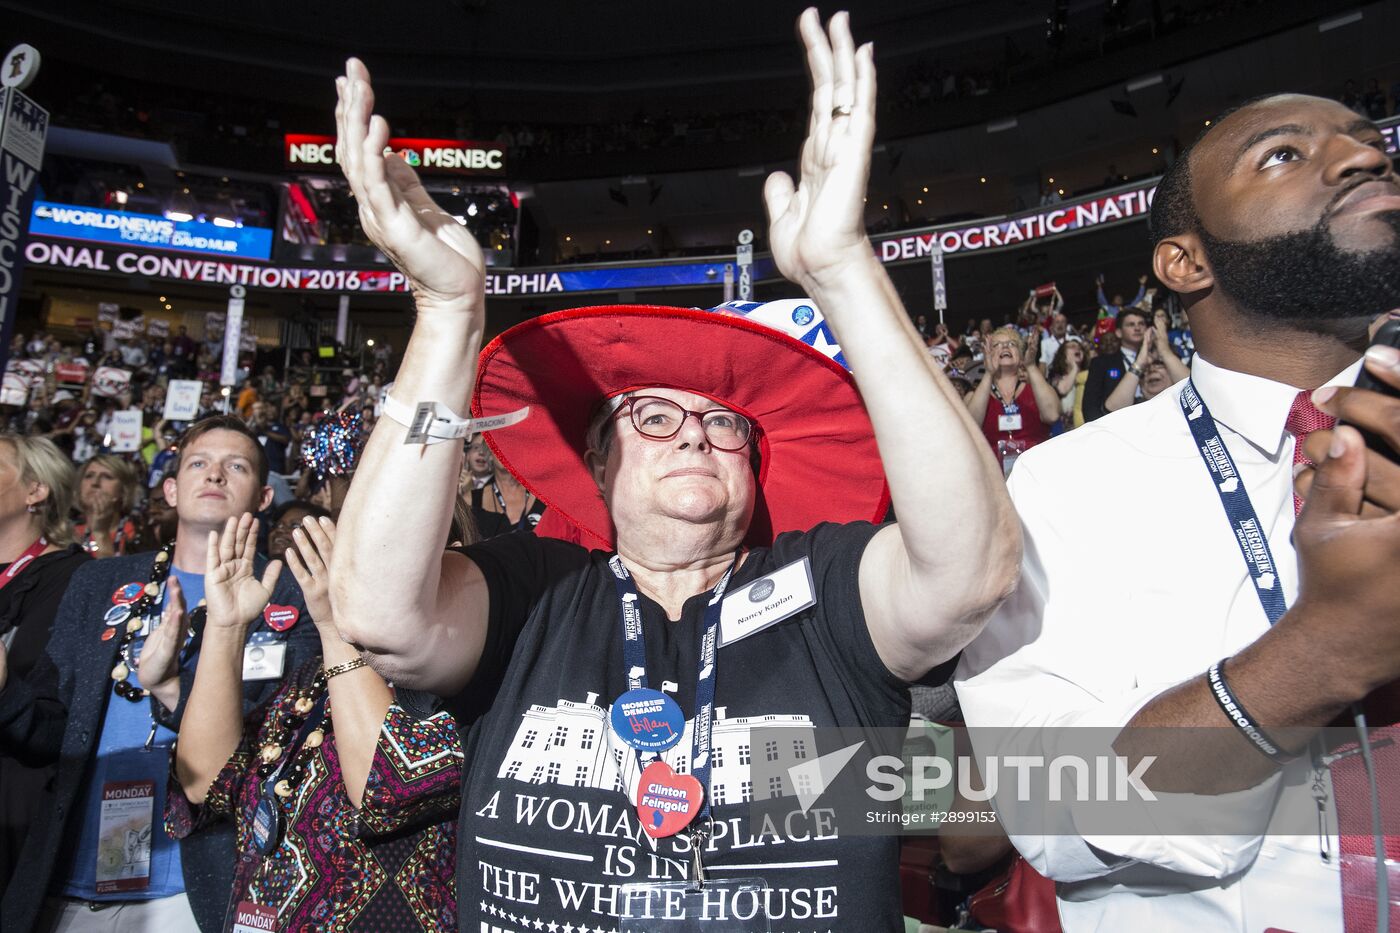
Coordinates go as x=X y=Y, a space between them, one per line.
x=278 y=47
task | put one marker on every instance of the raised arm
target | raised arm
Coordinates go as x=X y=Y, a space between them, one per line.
x=213 y=722
x=1141 y=292
x=359 y=697
x=1124 y=394
x=981 y=396
x=922 y=599
x=1047 y=400
x=1167 y=355
x=420 y=615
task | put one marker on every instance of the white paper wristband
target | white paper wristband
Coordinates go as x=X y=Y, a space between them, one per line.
x=431 y=423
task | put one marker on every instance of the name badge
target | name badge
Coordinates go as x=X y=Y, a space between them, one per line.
x=767 y=601
x=264 y=661
x=1009 y=422
x=254 y=918
x=124 y=836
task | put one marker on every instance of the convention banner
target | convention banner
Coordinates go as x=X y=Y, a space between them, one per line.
x=1128 y=204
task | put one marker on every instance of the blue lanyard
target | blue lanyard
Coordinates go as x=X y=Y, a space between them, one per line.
x=634 y=655
x=1244 y=521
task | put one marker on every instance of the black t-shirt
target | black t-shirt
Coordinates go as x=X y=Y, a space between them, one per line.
x=490 y=524
x=547 y=833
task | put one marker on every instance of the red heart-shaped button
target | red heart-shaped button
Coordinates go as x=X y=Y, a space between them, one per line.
x=281 y=618
x=667 y=802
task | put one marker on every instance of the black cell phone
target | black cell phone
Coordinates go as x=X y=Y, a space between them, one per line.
x=1388 y=335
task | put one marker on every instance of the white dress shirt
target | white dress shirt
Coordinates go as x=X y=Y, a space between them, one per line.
x=1117 y=604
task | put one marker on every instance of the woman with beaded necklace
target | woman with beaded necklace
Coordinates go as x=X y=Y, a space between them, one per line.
x=345 y=806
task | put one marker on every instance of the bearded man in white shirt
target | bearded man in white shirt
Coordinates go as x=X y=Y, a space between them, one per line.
x=1280 y=231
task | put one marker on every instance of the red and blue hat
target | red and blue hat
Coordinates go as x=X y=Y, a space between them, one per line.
x=818 y=460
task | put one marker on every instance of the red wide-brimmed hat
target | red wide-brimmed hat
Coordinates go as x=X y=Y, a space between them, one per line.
x=818 y=459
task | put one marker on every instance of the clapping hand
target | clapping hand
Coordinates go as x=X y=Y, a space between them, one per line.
x=159 y=663
x=310 y=560
x=817 y=226
x=440 y=257
x=234 y=595
x=1148 y=353
x=102 y=513
x=1032 y=355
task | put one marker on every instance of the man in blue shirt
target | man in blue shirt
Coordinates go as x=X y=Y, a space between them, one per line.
x=98 y=857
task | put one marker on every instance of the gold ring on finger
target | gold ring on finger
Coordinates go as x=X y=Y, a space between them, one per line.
x=841 y=111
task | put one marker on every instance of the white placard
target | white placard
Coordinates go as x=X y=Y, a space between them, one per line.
x=109 y=382
x=108 y=311
x=126 y=430
x=31 y=371
x=182 y=399
x=14 y=390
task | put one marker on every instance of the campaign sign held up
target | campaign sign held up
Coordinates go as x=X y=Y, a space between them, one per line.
x=182 y=399
x=126 y=430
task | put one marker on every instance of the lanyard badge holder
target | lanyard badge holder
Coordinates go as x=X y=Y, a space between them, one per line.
x=269 y=821
x=650 y=722
x=1263 y=572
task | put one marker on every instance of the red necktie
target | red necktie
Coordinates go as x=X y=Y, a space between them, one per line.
x=1349 y=784
x=1304 y=418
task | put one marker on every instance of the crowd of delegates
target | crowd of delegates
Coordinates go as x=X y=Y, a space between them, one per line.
x=71 y=400
x=305 y=792
x=1037 y=375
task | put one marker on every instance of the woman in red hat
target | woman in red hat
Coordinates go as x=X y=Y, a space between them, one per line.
x=633 y=704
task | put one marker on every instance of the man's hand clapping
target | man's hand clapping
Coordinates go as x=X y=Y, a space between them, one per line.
x=233 y=594
x=159 y=663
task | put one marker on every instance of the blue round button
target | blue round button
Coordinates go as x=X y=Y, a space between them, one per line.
x=648 y=720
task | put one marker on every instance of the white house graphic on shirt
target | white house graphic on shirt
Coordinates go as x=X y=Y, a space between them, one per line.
x=573 y=744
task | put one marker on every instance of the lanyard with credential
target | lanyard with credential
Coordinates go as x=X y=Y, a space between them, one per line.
x=662 y=813
x=1229 y=485
x=1254 y=547
x=19 y=563
x=269 y=822
x=524 y=521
